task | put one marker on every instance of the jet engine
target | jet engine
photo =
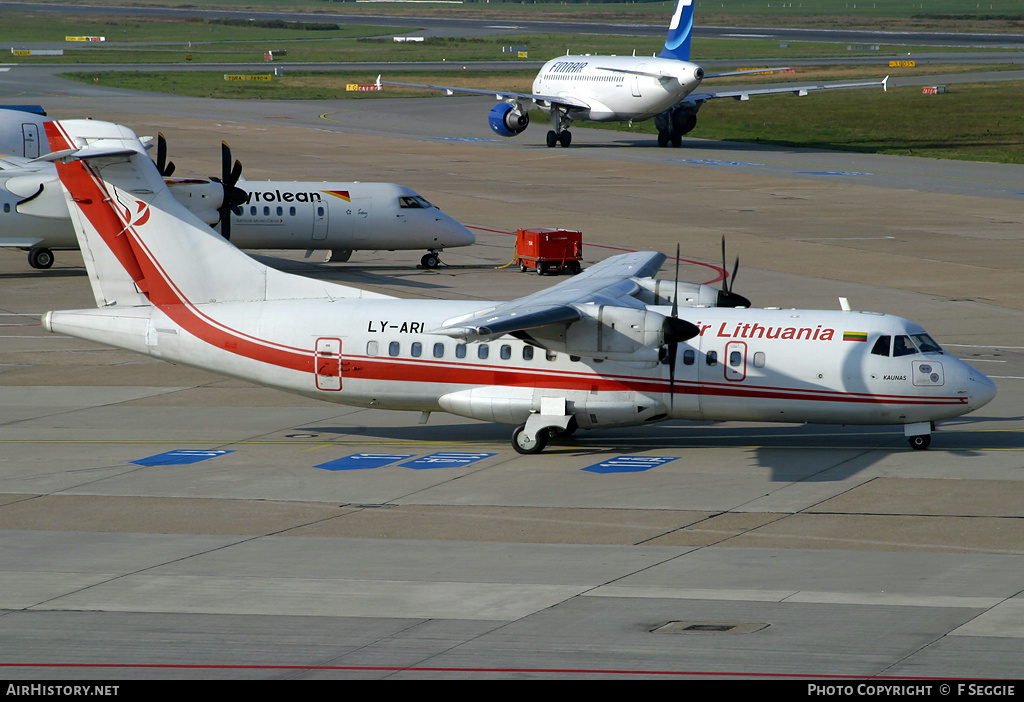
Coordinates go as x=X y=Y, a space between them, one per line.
x=508 y=120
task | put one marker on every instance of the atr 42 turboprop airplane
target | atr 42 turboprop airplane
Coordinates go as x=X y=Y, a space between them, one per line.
x=606 y=348
x=337 y=217
x=623 y=89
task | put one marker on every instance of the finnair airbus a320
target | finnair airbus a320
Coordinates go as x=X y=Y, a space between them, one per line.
x=611 y=347
x=622 y=89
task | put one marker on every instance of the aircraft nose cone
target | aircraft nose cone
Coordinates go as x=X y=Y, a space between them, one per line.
x=455 y=234
x=980 y=389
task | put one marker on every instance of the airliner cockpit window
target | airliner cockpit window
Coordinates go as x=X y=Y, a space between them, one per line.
x=903 y=346
x=413 y=202
x=882 y=344
x=926 y=343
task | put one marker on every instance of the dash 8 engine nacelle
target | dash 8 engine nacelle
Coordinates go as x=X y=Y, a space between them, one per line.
x=508 y=120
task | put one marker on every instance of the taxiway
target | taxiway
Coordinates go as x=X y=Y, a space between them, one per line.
x=163 y=522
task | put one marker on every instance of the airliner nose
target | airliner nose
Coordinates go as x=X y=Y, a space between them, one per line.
x=454 y=233
x=980 y=390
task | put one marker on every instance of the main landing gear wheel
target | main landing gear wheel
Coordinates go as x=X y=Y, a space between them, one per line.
x=920 y=442
x=40 y=258
x=523 y=445
x=555 y=138
x=430 y=260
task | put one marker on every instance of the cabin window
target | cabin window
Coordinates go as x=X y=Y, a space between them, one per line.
x=394 y=348
x=882 y=344
x=689 y=356
x=417 y=349
x=439 y=350
x=371 y=348
x=711 y=358
x=280 y=211
x=483 y=351
x=7 y=207
x=527 y=353
x=759 y=359
x=291 y=211
x=506 y=352
x=252 y=210
x=903 y=346
x=926 y=343
x=460 y=351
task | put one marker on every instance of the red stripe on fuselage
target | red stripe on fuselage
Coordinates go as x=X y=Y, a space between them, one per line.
x=99 y=207
x=433 y=371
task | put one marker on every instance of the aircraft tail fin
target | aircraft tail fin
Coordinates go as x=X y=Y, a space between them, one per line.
x=677 y=43
x=143 y=247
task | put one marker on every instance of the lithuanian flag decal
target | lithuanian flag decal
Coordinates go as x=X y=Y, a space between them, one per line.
x=343 y=194
x=855 y=336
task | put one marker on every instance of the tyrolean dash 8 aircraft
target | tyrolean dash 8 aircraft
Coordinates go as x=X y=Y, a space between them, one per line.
x=611 y=347
x=623 y=89
x=339 y=217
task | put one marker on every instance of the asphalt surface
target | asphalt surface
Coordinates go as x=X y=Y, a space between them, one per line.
x=740 y=551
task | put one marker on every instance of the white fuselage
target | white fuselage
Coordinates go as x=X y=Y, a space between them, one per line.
x=747 y=364
x=349 y=216
x=618 y=88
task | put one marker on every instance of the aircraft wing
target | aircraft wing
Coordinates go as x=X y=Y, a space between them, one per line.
x=542 y=100
x=744 y=94
x=608 y=282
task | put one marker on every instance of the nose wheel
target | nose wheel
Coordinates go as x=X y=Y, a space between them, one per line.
x=430 y=260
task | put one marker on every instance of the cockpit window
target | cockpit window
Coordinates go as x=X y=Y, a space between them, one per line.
x=882 y=344
x=903 y=346
x=926 y=344
x=413 y=202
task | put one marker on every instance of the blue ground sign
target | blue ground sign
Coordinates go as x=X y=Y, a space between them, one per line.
x=629 y=464
x=362 y=461
x=445 y=459
x=179 y=457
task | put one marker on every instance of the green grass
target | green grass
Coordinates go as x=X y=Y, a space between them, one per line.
x=974 y=122
x=977 y=122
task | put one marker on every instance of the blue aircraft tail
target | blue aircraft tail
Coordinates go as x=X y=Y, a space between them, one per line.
x=677 y=43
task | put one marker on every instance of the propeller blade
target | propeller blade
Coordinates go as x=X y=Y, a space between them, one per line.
x=726 y=297
x=725 y=271
x=162 y=165
x=236 y=173
x=675 y=293
x=225 y=162
x=233 y=196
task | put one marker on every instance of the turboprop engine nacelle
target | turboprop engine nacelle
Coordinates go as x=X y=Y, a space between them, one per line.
x=662 y=292
x=201 y=196
x=617 y=333
x=43 y=196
